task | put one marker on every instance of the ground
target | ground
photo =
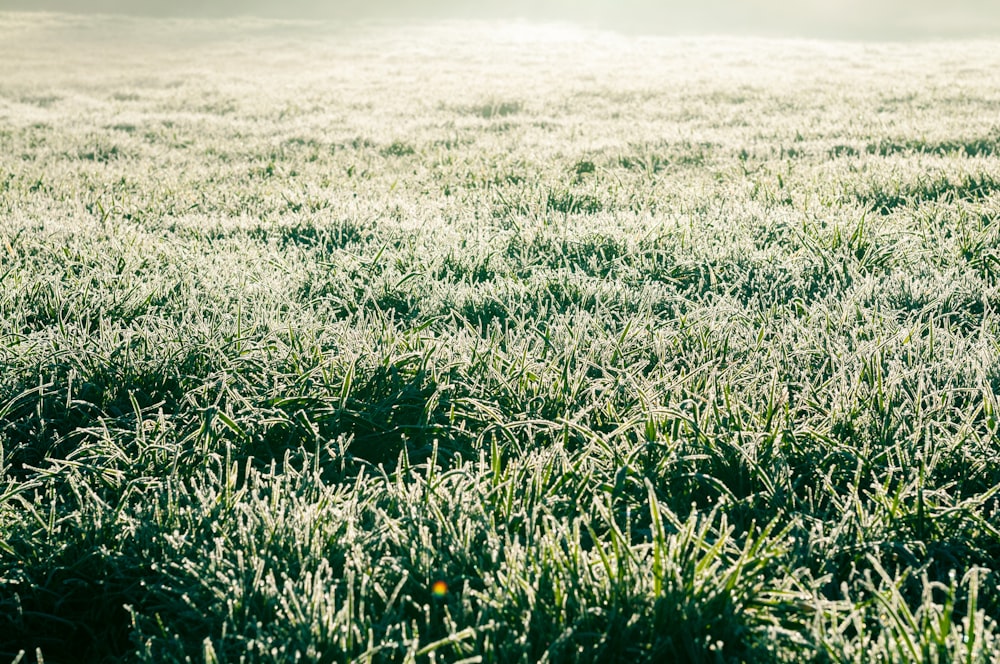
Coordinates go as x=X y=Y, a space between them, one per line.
x=495 y=342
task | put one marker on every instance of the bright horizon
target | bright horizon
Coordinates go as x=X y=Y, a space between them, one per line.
x=853 y=19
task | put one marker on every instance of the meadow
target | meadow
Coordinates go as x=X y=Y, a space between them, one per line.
x=495 y=343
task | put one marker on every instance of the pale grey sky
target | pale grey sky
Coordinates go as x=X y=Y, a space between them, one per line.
x=833 y=18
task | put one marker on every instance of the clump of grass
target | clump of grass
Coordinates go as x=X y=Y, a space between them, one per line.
x=984 y=146
x=885 y=198
x=496 y=108
x=398 y=149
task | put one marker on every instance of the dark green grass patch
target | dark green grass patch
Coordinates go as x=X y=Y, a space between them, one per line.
x=885 y=198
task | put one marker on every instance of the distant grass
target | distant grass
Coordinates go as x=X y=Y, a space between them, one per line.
x=641 y=366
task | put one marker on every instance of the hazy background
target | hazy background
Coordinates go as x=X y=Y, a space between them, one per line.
x=878 y=19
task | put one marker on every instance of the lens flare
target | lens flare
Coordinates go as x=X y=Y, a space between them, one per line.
x=439 y=589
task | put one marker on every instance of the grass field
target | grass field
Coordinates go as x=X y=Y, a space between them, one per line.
x=499 y=343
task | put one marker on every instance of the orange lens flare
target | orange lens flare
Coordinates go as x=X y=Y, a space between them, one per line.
x=439 y=589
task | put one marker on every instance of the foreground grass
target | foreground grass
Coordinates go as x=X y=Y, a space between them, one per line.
x=649 y=350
